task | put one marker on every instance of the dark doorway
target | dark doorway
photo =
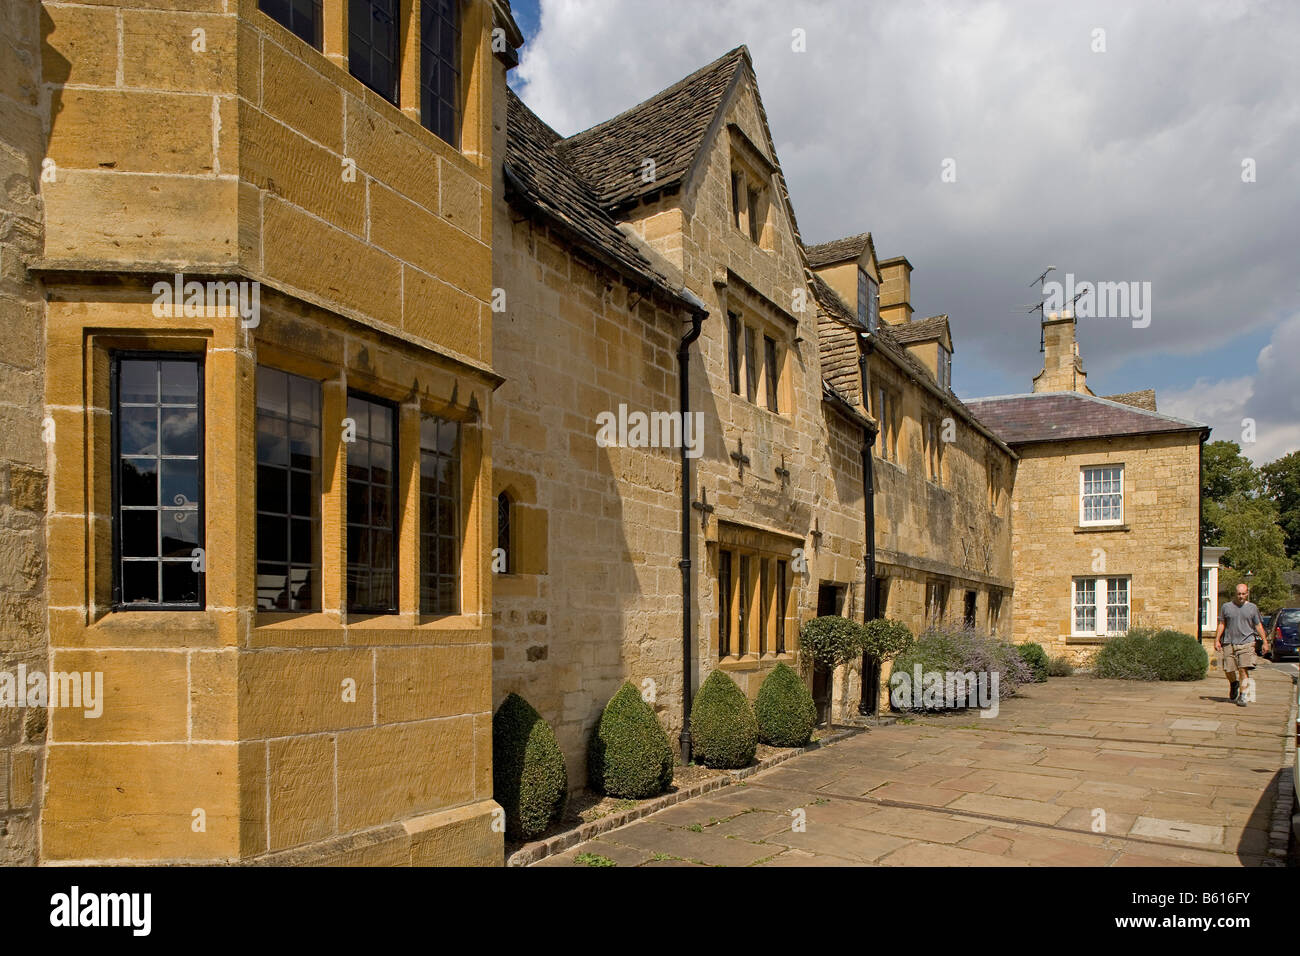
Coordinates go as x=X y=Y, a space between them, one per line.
x=969 y=618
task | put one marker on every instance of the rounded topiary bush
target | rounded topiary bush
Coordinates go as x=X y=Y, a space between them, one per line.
x=724 y=731
x=629 y=754
x=1034 y=655
x=1149 y=654
x=529 y=779
x=784 y=709
x=830 y=640
x=1178 y=656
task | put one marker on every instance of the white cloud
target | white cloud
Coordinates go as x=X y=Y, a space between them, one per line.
x=1270 y=398
x=1122 y=165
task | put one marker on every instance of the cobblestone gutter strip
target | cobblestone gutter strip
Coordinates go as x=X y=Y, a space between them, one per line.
x=539 y=850
x=1279 y=836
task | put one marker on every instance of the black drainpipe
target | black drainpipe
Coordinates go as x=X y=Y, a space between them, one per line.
x=869 y=518
x=688 y=632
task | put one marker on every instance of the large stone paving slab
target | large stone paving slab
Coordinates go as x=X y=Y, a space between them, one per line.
x=1076 y=772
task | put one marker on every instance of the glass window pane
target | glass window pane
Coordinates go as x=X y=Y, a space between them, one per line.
x=137 y=382
x=138 y=431
x=180 y=431
x=372 y=525
x=139 y=477
x=180 y=383
x=180 y=482
x=139 y=582
x=180 y=583
x=139 y=533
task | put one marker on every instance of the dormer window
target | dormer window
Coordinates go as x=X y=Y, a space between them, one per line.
x=868 y=300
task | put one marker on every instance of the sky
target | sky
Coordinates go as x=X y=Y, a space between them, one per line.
x=1152 y=142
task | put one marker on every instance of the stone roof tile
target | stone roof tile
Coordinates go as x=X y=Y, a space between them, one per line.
x=668 y=128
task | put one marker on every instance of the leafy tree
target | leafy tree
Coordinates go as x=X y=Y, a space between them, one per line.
x=1225 y=472
x=1256 y=551
x=1282 y=484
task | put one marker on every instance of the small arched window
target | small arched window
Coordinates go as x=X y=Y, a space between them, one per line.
x=503 y=532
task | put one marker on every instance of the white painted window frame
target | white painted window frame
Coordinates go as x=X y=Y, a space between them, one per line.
x=1102 y=522
x=1101 y=592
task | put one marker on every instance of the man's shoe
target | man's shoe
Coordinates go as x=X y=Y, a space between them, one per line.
x=1241 y=701
x=1234 y=689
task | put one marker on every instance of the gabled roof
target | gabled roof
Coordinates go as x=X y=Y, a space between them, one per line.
x=538 y=178
x=839 y=250
x=1064 y=416
x=668 y=128
x=921 y=330
x=1146 y=398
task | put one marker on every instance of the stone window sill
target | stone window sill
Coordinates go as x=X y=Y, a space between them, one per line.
x=1090 y=528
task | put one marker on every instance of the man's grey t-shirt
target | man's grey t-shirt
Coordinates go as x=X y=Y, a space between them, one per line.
x=1239 y=622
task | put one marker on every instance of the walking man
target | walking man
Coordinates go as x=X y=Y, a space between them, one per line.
x=1235 y=641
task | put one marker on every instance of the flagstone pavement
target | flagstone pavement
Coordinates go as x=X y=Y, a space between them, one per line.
x=1074 y=772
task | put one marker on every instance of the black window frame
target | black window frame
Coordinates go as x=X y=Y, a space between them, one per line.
x=733 y=350
x=396 y=525
x=772 y=373
x=724 y=604
x=782 y=604
x=365 y=49
x=315 y=567
x=428 y=609
x=505 y=514
x=115 y=358
x=428 y=93
x=310 y=32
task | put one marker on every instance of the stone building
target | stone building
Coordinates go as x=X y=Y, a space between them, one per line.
x=1105 y=506
x=941 y=533
x=264 y=240
x=657 y=244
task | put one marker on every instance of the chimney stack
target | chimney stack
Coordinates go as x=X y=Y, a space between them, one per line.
x=1062 y=365
x=896 y=291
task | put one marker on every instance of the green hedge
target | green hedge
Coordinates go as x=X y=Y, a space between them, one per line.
x=724 y=731
x=945 y=648
x=629 y=754
x=784 y=709
x=1146 y=653
x=1034 y=655
x=529 y=779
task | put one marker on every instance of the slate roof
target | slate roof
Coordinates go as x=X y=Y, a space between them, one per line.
x=537 y=176
x=921 y=330
x=1065 y=416
x=668 y=128
x=1146 y=398
x=837 y=250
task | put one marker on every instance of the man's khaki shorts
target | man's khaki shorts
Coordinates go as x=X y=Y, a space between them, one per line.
x=1234 y=657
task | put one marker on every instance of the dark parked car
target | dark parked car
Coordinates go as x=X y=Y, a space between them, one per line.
x=1283 y=630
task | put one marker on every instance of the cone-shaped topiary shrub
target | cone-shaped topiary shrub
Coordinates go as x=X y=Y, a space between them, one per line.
x=629 y=754
x=785 y=710
x=723 y=727
x=529 y=779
